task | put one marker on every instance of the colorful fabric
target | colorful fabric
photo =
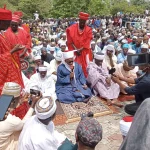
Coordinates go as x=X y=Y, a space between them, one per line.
x=5 y=14
x=80 y=39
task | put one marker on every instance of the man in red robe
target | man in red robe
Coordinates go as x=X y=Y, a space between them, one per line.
x=79 y=37
x=9 y=71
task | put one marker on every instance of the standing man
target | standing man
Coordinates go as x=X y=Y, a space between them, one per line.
x=79 y=37
x=9 y=72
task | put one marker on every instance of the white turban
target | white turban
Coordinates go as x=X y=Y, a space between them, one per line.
x=110 y=47
x=45 y=108
x=52 y=49
x=37 y=57
x=42 y=68
x=11 y=88
x=62 y=44
x=131 y=51
x=99 y=57
x=67 y=55
x=134 y=37
x=144 y=46
x=93 y=42
x=58 y=56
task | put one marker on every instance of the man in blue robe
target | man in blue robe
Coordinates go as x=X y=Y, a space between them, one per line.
x=71 y=83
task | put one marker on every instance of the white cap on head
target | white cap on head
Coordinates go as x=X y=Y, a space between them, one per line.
x=99 y=57
x=52 y=49
x=93 y=42
x=131 y=51
x=134 y=37
x=58 y=56
x=37 y=57
x=11 y=88
x=64 y=34
x=120 y=38
x=110 y=47
x=124 y=41
x=144 y=46
x=62 y=44
x=42 y=68
x=68 y=54
x=45 y=108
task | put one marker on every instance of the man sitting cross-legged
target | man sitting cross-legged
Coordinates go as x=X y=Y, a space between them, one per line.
x=100 y=80
x=71 y=83
x=43 y=82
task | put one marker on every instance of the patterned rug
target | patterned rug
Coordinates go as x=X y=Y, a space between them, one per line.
x=75 y=110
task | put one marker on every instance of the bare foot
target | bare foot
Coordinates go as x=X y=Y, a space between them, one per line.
x=116 y=103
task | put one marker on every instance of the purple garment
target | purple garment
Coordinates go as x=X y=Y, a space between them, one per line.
x=97 y=78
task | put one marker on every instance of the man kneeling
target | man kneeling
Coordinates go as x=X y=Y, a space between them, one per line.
x=71 y=83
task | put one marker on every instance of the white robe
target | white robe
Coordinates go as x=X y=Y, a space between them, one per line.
x=37 y=136
x=45 y=85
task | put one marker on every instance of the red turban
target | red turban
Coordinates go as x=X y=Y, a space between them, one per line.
x=18 y=13
x=5 y=14
x=15 y=18
x=83 y=16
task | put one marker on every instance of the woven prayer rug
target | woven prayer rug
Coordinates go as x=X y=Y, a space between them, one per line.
x=74 y=111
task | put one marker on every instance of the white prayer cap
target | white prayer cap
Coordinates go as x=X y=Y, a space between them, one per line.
x=62 y=44
x=11 y=88
x=37 y=57
x=93 y=42
x=99 y=56
x=45 y=108
x=110 y=47
x=134 y=37
x=131 y=51
x=144 y=46
x=124 y=41
x=64 y=34
x=52 y=49
x=58 y=56
x=42 y=68
x=120 y=34
x=68 y=54
x=121 y=38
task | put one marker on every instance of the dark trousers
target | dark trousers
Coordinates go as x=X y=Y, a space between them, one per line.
x=132 y=108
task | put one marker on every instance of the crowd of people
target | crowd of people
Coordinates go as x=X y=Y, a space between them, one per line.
x=71 y=60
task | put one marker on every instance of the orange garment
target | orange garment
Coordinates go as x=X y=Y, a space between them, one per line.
x=9 y=71
x=80 y=39
x=21 y=37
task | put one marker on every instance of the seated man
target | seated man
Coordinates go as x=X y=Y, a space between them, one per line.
x=71 y=83
x=39 y=132
x=11 y=126
x=55 y=63
x=100 y=80
x=123 y=71
x=46 y=56
x=43 y=82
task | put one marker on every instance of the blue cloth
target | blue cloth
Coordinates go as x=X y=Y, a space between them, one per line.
x=66 y=89
x=121 y=58
x=97 y=23
x=126 y=46
x=137 y=49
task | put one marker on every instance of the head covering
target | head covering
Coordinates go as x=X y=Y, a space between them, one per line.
x=18 y=13
x=126 y=46
x=64 y=34
x=89 y=132
x=139 y=131
x=37 y=57
x=15 y=18
x=121 y=38
x=93 y=42
x=58 y=56
x=124 y=41
x=11 y=88
x=83 y=16
x=110 y=48
x=52 y=49
x=99 y=56
x=5 y=14
x=134 y=37
x=62 y=44
x=144 y=46
x=68 y=54
x=131 y=51
x=45 y=108
x=42 y=68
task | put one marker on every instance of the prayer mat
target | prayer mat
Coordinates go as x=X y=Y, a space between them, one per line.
x=74 y=111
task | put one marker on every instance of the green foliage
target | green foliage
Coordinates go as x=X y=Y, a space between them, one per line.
x=71 y=8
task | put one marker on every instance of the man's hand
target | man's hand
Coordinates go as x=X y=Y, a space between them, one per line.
x=55 y=73
x=85 y=86
x=108 y=81
x=17 y=48
x=71 y=75
x=115 y=79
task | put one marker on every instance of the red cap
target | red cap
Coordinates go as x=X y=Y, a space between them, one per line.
x=5 y=14
x=18 y=13
x=83 y=16
x=15 y=18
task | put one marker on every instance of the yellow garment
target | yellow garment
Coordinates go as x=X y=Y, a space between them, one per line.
x=10 y=130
